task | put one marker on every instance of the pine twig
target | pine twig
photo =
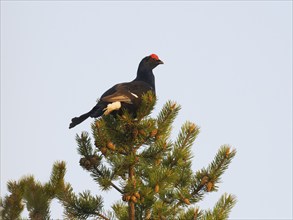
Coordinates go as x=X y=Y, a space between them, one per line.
x=112 y=184
x=198 y=189
x=102 y=216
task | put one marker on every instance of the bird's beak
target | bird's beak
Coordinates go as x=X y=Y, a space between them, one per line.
x=160 y=62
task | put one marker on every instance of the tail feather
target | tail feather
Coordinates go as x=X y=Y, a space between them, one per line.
x=97 y=111
x=77 y=120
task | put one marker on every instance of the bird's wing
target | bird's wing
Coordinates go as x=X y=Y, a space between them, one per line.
x=116 y=97
x=119 y=93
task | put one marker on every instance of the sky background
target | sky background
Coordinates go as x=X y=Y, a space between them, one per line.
x=227 y=63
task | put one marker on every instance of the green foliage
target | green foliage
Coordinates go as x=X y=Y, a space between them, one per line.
x=222 y=208
x=120 y=210
x=33 y=194
x=153 y=172
x=82 y=206
x=12 y=205
x=207 y=179
x=137 y=158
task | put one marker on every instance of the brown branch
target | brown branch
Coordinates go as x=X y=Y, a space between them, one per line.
x=131 y=206
x=198 y=189
x=102 y=216
x=116 y=187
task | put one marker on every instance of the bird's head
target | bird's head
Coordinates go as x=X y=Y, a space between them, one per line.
x=150 y=62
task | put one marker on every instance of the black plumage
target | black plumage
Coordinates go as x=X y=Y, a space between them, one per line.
x=125 y=95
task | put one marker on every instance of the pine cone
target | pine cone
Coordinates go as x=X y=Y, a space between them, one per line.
x=157 y=188
x=94 y=160
x=82 y=161
x=111 y=146
x=134 y=199
x=204 y=180
x=209 y=186
x=186 y=201
x=154 y=133
x=103 y=150
x=137 y=195
x=87 y=165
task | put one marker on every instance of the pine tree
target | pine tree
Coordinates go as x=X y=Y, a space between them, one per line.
x=137 y=158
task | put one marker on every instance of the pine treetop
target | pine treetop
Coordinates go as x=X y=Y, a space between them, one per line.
x=137 y=158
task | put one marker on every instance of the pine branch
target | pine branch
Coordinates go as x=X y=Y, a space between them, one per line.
x=179 y=161
x=12 y=206
x=221 y=161
x=187 y=135
x=222 y=208
x=166 y=117
x=101 y=174
x=102 y=216
x=182 y=147
x=35 y=195
x=120 y=211
x=147 y=105
x=207 y=178
x=84 y=145
x=191 y=214
x=56 y=182
x=92 y=162
x=82 y=206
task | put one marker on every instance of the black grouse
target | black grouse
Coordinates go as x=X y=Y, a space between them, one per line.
x=125 y=95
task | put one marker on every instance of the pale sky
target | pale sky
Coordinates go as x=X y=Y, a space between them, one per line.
x=227 y=63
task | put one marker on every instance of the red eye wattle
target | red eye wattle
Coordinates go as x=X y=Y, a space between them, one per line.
x=154 y=56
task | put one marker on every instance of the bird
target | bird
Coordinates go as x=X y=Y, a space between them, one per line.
x=127 y=95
